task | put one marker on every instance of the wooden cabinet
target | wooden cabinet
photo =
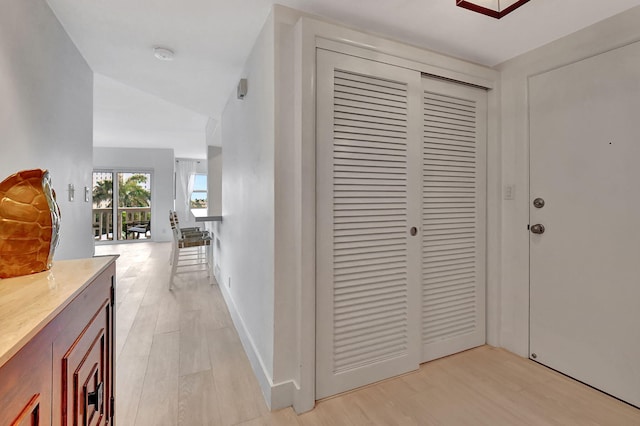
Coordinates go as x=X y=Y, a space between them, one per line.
x=25 y=386
x=83 y=367
x=62 y=372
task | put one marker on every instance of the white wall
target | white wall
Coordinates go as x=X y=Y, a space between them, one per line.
x=161 y=163
x=214 y=180
x=214 y=191
x=606 y=35
x=46 y=113
x=247 y=231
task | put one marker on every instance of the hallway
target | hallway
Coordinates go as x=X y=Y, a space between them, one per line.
x=180 y=362
x=179 y=359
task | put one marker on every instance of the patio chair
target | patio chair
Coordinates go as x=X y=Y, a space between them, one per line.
x=139 y=228
x=189 y=250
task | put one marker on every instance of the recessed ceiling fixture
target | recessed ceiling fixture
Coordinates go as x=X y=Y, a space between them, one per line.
x=163 y=53
x=494 y=8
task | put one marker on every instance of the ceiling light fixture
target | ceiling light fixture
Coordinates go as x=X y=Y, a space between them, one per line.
x=494 y=8
x=163 y=53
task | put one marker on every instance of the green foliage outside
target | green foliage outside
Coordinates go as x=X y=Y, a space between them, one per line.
x=199 y=203
x=130 y=193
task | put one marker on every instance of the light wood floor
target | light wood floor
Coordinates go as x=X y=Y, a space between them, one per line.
x=180 y=362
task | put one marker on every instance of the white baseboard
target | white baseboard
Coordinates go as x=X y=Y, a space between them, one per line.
x=276 y=395
x=282 y=395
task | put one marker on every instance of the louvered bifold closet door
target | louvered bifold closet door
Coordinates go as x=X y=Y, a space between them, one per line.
x=453 y=217
x=368 y=264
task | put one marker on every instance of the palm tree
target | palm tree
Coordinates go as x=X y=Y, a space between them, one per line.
x=132 y=194
x=103 y=194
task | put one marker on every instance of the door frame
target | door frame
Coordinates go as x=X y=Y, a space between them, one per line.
x=114 y=171
x=311 y=34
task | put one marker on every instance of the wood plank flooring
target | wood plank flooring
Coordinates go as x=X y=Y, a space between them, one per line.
x=180 y=362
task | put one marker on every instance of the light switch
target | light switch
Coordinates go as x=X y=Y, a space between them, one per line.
x=509 y=192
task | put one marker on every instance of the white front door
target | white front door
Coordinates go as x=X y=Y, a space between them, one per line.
x=585 y=267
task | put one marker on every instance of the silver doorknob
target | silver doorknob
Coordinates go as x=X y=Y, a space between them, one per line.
x=538 y=203
x=537 y=229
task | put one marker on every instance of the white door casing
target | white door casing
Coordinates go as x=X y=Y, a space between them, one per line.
x=585 y=268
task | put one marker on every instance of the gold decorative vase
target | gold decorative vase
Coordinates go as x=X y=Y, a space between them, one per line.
x=29 y=223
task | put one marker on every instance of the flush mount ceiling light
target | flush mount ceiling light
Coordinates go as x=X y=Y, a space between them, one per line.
x=494 y=8
x=163 y=53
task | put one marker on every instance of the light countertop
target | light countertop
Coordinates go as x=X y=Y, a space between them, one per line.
x=30 y=302
x=202 y=215
x=208 y=218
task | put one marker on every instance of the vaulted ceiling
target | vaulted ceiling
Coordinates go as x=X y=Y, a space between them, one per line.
x=140 y=99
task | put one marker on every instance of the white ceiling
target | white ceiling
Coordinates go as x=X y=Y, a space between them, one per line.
x=128 y=117
x=212 y=38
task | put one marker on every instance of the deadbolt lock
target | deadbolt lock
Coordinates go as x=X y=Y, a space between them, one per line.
x=537 y=228
x=538 y=203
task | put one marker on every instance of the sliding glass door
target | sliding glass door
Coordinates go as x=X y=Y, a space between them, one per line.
x=121 y=205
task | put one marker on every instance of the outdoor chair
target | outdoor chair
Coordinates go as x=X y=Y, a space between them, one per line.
x=139 y=228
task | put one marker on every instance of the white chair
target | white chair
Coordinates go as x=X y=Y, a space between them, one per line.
x=173 y=216
x=189 y=250
x=188 y=232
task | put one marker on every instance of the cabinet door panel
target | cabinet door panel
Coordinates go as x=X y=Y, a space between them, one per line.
x=83 y=374
x=23 y=394
x=30 y=415
x=84 y=341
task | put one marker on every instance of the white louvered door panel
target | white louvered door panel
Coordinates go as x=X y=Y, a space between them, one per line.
x=368 y=264
x=453 y=218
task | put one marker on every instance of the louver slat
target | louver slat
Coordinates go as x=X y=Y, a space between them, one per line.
x=449 y=219
x=369 y=220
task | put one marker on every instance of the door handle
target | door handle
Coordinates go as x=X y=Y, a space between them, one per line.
x=538 y=203
x=95 y=398
x=537 y=228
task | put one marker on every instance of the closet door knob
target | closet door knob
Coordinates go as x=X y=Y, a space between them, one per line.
x=413 y=231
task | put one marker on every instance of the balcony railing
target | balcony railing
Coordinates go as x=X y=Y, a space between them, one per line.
x=127 y=217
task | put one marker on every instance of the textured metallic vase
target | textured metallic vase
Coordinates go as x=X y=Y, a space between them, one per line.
x=29 y=223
